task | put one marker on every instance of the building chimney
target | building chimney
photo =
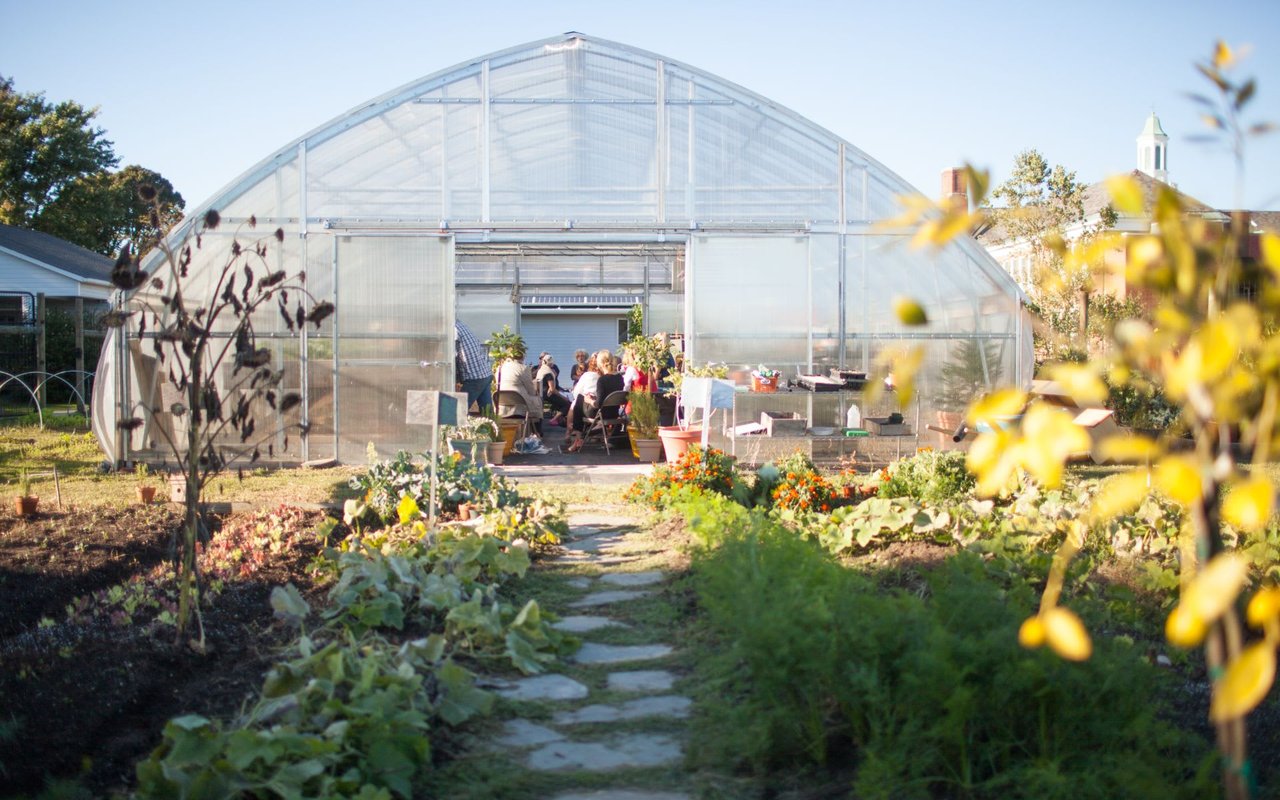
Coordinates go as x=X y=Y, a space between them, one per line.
x=955 y=184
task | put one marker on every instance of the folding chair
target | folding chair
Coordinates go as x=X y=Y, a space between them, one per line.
x=515 y=401
x=607 y=420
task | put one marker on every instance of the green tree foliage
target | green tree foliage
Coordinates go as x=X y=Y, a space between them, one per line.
x=56 y=176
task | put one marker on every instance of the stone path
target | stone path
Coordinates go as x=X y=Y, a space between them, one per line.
x=585 y=728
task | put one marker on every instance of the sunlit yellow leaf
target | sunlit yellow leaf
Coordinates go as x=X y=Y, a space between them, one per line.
x=1145 y=251
x=1120 y=495
x=1223 y=58
x=1219 y=347
x=1079 y=381
x=1050 y=438
x=997 y=407
x=1065 y=633
x=1263 y=606
x=1179 y=478
x=407 y=509
x=1126 y=195
x=1250 y=504
x=1215 y=587
x=1271 y=251
x=1129 y=449
x=1247 y=680
x=1183 y=628
x=1031 y=633
x=909 y=312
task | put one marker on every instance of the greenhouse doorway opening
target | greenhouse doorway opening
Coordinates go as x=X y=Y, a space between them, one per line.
x=568 y=296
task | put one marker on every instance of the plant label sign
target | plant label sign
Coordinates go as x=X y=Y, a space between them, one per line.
x=430 y=408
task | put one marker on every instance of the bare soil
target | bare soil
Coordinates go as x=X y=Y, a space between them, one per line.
x=87 y=700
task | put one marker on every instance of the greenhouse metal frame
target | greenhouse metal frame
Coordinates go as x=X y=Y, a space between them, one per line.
x=550 y=187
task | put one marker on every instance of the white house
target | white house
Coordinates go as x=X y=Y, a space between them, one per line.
x=34 y=263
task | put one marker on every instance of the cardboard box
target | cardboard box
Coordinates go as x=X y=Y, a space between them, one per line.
x=777 y=423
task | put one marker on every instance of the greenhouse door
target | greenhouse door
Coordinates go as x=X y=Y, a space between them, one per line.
x=393 y=332
x=562 y=333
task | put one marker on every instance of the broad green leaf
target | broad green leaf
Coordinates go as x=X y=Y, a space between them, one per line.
x=391 y=766
x=1126 y=195
x=407 y=509
x=1247 y=680
x=287 y=603
x=1120 y=495
x=1250 y=504
x=1065 y=633
x=1215 y=587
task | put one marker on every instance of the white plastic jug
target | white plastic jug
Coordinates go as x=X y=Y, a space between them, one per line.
x=853 y=417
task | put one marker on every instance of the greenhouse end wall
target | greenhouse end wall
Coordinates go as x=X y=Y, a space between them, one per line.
x=761 y=235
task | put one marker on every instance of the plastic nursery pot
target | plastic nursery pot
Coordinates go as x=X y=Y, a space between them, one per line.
x=676 y=440
x=648 y=450
x=496 y=451
x=25 y=506
x=146 y=495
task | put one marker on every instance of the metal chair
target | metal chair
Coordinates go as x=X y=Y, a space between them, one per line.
x=606 y=420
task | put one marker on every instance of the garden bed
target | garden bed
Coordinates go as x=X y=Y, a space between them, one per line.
x=88 y=698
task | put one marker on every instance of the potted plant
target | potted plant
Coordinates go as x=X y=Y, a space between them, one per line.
x=471 y=437
x=505 y=344
x=146 y=492
x=25 y=503
x=497 y=446
x=649 y=355
x=764 y=379
x=677 y=437
x=642 y=427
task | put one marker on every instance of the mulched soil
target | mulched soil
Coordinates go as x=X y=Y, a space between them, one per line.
x=88 y=701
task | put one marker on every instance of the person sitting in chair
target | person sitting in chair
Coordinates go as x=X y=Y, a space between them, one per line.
x=514 y=376
x=547 y=381
x=596 y=383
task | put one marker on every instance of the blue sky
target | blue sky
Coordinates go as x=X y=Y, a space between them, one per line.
x=202 y=91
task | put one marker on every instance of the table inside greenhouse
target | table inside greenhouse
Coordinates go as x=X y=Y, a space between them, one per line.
x=820 y=411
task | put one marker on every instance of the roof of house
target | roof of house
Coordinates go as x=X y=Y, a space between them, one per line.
x=1266 y=220
x=57 y=253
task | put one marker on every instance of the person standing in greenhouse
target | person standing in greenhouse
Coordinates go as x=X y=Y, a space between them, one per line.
x=475 y=370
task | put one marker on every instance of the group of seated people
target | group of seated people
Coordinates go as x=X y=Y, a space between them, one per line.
x=594 y=377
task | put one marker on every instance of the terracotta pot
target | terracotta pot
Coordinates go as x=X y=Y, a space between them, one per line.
x=648 y=450
x=466 y=511
x=496 y=452
x=146 y=495
x=25 y=506
x=675 y=440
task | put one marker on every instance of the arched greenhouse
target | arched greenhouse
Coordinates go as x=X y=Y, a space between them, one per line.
x=551 y=187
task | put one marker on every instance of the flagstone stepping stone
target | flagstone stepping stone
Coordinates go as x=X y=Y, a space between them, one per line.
x=622 y=794
x=633 y=579
x=636 y=750
x=664 y=706
x=582 y=624
x=605 y=598
x=542 y=687
x=523 y=733
x=645 y=680
x=592 y=653
x=579 y=582
x=595 y=544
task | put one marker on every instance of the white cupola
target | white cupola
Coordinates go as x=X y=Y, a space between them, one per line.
x=1153 y=150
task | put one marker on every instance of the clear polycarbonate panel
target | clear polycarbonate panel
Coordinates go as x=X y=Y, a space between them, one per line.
x=374 y=378
x=855 y=190
x=579 y=70
x=750 y=301
x=666 y=313
x=393 y=285
x=273 y=196
x=486 y=311
x=824 y=303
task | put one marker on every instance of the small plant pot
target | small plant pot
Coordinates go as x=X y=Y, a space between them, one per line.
x=766 y=385
x=25 y=506
x=146 y=495
x=497 y=451
x=466 y=511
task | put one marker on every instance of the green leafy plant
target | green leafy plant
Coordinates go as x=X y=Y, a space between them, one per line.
x=930 y=475
x=644 y=414
x=473 y=429
x=505 y=345
x=648 y=353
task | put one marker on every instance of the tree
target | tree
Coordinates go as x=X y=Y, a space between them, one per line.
x=56 y=176
x=43 y=148
x=102 y=211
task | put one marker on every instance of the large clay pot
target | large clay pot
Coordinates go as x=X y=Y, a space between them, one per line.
x=146 y=494
x=648 y=450
x=25 y=506
x=675 y=440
